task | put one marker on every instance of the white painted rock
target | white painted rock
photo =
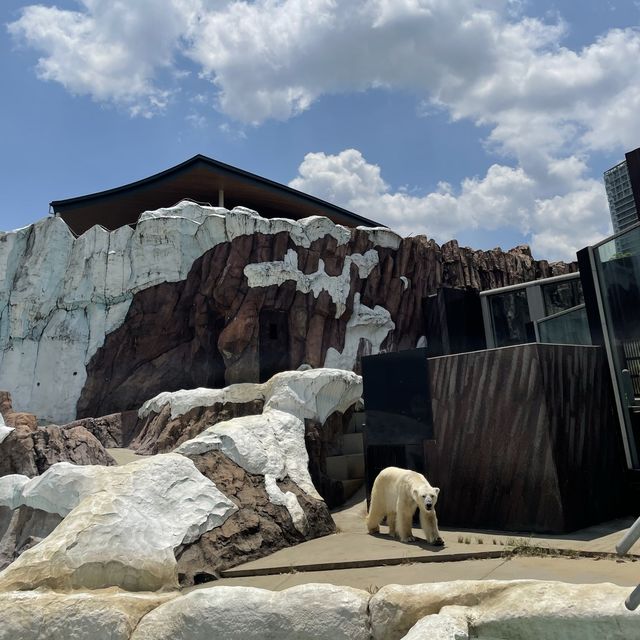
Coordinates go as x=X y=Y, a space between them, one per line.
x=308 y=612
x=271 y=444
x=513 y=610
x=102 y=615
x=123 y=524
x=4 y=432
x=439 y=626
x=11 y=490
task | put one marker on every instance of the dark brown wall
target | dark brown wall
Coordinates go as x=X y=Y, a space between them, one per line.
x=526 y=439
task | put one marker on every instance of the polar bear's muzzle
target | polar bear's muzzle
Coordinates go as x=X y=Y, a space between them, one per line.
x=428 y=504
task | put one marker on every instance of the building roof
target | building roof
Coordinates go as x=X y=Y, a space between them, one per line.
x=200 y=178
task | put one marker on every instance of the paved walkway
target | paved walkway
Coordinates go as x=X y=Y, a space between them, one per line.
x=354 y=558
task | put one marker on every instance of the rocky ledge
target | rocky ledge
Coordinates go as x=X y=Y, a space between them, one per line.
x=238 y=490
x=460 y=610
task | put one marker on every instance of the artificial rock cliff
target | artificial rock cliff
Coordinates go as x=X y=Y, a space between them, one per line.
x=201 y=296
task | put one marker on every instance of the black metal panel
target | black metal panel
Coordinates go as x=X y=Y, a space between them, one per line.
x=396 y=397
x=633 y=167
x=590 y=299
x=453 y=322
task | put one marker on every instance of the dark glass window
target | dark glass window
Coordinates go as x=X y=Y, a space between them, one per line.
x=511 y=320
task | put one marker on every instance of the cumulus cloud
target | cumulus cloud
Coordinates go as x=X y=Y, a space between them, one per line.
x=505 y=197
x=546 y=107
x=112 y=51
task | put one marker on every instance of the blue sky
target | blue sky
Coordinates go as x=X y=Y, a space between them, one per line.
x=488 y=121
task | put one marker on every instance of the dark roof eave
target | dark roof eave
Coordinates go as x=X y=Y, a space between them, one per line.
x=79 y=200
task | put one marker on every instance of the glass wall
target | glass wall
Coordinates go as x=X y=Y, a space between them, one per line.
x=560 y=296
x=566 y=327
x=619 y=285
x=549 y=310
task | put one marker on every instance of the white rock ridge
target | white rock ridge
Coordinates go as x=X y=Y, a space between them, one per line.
x=60 y=295
x=270 y=444
x=310 y=612
x=121 y=527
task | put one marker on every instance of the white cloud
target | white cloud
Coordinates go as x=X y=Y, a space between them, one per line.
x=505 y=197
x=111 y=50
x=547 y=107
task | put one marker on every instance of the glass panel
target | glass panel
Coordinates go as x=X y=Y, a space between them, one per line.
x=559 y=296
x=510 y=318
x=618 y=262
x=571 y=327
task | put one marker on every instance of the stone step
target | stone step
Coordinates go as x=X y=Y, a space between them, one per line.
x=351 y=487
x=346 y=467
x=357 y=422
x=352 y=443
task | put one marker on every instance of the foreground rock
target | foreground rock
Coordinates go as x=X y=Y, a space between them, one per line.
x=461 y=610
x=312 y=611
x=519 y=609
x=100 y=615
x=121 y=526
x=260 y=461
x=239 y=490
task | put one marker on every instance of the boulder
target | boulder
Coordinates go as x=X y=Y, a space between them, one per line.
x=121 y=527
x=100 y=615
x=522 y=609
x=161 y=432
x=30 y=452
x=259 y=527
x=309 y=612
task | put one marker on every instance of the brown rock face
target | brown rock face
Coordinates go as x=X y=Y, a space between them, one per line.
x=159 y=433
x=22 y=529
x=213 y=329
x=31 y=452
x=14 y=418
x=257 y=529
x=115 y=430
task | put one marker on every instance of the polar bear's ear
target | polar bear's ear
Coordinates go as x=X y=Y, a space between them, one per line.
x=437 y=490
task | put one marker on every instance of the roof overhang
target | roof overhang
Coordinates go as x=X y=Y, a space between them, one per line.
x=200 y=179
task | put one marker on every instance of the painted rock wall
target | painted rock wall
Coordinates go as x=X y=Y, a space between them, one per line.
x=200 y=296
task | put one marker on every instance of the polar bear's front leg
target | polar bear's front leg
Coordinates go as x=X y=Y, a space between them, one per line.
x=405 y=510
x=429 y=524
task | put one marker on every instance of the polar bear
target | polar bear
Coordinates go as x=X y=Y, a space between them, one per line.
x=396 y=494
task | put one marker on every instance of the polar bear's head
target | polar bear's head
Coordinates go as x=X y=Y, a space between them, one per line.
x=427 y=496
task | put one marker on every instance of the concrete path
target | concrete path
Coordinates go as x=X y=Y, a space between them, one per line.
x=354 y=558
x=124 y=456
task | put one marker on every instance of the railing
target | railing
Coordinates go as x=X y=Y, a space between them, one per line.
x=633 y=600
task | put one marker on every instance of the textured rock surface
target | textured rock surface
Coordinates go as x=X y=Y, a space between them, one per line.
x=161 y=432
x=102 y=615
x=310 y=612
x=272 y=444
x=121 y=527
x=439 y=627
x=489 y=610
x=258 y=528
x=181 y=299
x=114 y=430
x=21 y=529
x=519 y=609
x=31 y=452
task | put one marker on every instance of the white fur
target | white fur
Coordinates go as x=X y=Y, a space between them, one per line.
x=396 y=495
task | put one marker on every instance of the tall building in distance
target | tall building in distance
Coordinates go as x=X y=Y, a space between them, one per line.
x=622 y=184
